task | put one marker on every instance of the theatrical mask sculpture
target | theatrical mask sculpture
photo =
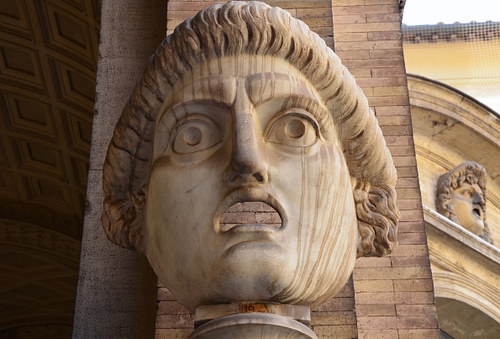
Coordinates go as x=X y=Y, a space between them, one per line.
x=461 y=197
x=245 y=104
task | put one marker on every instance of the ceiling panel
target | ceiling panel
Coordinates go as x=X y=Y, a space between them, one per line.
x=48 y=58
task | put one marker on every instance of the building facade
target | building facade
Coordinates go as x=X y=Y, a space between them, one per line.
x=55 y=133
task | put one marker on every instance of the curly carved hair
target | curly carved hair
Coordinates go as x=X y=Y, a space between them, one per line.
x=257 y=29
x=471 y=173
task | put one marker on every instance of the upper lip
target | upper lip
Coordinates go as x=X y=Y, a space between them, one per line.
x=248 y=194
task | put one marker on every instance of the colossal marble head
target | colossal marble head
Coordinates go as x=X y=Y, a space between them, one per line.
x=461 y=197
x=244 y=104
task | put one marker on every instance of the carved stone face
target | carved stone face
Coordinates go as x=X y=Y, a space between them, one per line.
x=467 y=204
x=248 y=129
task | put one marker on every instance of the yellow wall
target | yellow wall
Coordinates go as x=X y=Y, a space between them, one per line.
x=472 y=67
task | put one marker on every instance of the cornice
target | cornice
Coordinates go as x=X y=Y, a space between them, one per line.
x=458 y=233
x=447 y=33
x=448 y=101
x=464 y=266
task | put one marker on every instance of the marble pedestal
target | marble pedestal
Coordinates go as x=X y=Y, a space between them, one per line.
x=244 y=321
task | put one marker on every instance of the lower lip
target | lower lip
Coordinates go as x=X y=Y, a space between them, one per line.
x=250 y=237
x=251 y=228
x=251 y=247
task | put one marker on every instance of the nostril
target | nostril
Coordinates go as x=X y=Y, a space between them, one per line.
x=258 y=177
x=233 y=177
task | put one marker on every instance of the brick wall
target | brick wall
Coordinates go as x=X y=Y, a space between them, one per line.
x=317 y=14
x=393 y=295
x=172 y=319
x=388 y=297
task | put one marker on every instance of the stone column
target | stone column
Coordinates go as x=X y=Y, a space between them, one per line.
x=117 y=288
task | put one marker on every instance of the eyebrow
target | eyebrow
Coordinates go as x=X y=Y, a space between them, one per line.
x=295 y=93
x=218 y=88
x=263 y=87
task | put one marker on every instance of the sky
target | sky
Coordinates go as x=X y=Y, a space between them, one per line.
x=422 y=12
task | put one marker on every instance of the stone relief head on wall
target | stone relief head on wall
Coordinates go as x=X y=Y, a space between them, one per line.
x=245 y=104
x=461 y=195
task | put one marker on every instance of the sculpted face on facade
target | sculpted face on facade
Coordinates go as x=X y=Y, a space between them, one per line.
x=461 y=197
x=244 y=104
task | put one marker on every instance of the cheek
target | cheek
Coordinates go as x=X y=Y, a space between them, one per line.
x=313 y=185
x=306 y=172
x=461 y=207
x=179 y=216
x=180 y=199
x=178 y=182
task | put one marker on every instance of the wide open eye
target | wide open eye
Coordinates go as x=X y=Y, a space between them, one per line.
x=295 y=128
x=195 y=135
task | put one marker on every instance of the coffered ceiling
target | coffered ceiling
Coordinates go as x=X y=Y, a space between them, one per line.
x=48 y=57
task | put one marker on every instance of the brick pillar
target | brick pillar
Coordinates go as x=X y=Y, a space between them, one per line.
x=116 y=289
x=393 y=295
x=336 y=318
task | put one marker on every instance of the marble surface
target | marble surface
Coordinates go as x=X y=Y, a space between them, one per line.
x=244 y=104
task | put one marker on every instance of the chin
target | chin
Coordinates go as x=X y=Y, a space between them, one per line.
x=253 y=273
x=477 y=228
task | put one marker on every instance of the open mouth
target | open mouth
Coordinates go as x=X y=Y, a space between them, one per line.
x=250 y=216
x=477 y=212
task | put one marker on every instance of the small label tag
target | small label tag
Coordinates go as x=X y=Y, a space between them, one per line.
x=249 y=308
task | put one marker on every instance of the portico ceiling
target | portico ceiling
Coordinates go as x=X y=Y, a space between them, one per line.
x=48 y=58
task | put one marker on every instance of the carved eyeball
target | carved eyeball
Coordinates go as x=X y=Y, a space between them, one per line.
x=295 y=128
x=196 y=135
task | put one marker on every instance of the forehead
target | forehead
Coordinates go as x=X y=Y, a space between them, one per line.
x=467 y=186
x=262 y=77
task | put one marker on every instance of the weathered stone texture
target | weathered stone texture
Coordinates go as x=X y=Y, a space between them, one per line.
x=116 y=295
x=389 y=297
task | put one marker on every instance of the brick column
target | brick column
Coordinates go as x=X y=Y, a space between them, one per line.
x=336 y=318
x=393 y=295
x=116 y=289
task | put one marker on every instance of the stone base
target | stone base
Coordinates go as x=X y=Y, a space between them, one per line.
x=254 y=326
